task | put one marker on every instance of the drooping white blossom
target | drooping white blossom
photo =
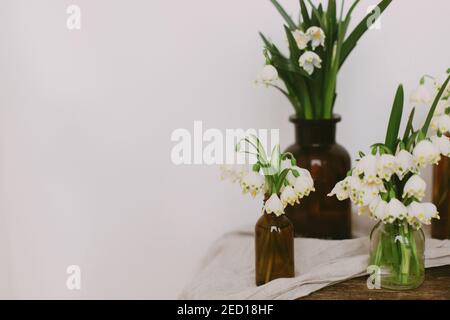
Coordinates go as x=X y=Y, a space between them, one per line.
x=288 y=196
x=414 y=187
x=310 y=60
x=269 y=74
x=421 y=96
x=442 y=143
x=367 y=193
x=423 y=212
x=404 y=163
x=396 y=210
x=386 y=166
x=441 y=123
x=425 y=153
x=253 y=183
x=233 y=172
x=274 y=205
x=341 y=190
x=442 y=107
x=317 y=37
x=374 y=203
x=302 y=186
x=381 y=210
x=306 y=175
x=355 y=185
x=301 y=38
x=367 y=166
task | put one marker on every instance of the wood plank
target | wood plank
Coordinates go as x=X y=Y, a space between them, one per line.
x=435 y=287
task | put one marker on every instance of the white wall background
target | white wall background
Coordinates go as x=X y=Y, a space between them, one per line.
x=86 y=118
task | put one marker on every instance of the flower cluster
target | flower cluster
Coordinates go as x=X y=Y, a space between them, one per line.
x=387 y=185
x=372 y=185
x=314 y=37
x=319 y=42
x=278 y=178
x=309 y=60
x=423 y=95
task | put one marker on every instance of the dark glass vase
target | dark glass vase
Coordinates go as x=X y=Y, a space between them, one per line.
x=440 y=229
x=274 y=248
x=315 y=148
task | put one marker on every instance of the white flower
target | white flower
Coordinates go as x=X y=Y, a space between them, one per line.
x=423 y=212
x=363 y=210
x=302 y=186
x=415 y=187
x=306 y=175
x=441 y=107
x=253 y=182
x=341 y=190
x=381 y=210
x=386 y=166
x=288 y=196
x=317 y=36
x=269 y=74
x=425 y=153
x=301 y=38
x=442 y=143
x=234 y=172
x=396 y=210
x=430 y=211
x=367 y=193
x=404 y=163
x=367 y=165
x=374 y=203
x=291 y=178
x=355 y=185
x=274 y=205
x=310 y=60
x=441 y=123
x=421 y=96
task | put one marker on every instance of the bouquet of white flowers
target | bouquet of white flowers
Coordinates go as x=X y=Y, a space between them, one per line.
x=386 y=184
x=318 y=47
x=279 y=178
x=283 y=183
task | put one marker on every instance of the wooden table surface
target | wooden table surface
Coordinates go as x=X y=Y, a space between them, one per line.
x=435 y=287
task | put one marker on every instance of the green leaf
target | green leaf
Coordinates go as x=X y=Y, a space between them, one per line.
x=409 y=125
x=359 y=31
x=433 y=106
x=275 y=158
x=293 y=47
x=395 y=119
x=285 y=16
x=282 y=178
x=305 y=15
x=318 y=16
x=331 y=12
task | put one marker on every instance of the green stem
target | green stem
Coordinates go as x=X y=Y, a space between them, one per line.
x=406 y=254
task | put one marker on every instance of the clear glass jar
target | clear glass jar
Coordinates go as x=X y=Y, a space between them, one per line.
x=398 y=250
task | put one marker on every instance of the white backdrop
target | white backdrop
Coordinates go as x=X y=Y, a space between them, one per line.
x=86 y=118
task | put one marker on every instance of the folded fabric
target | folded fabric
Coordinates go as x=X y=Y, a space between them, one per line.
x=228 y=270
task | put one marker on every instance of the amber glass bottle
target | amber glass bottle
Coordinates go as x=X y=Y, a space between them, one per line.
x=274 y=248
x=440 y=229
x=316 y=150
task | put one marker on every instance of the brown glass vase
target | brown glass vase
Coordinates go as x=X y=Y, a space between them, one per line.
x=315 y=148
x=440 y=229
x=274 y=248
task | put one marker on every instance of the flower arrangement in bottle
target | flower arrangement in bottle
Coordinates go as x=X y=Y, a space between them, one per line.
x=386 y=185
x=318 y=47
x=282 y=183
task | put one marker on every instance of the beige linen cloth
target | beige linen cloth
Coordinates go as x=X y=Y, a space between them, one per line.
x=228 y=270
